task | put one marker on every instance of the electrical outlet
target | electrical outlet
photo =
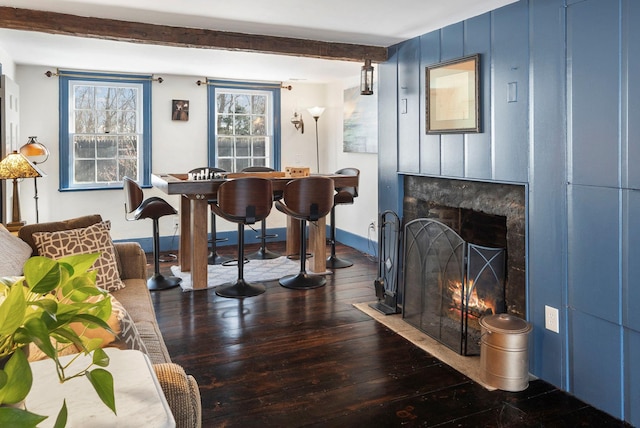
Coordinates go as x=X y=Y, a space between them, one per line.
x=176 y=221
x=551 y=319
x=372 y=225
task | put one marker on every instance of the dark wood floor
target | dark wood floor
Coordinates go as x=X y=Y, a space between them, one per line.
x=291 y=358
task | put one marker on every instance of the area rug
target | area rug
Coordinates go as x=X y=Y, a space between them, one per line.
x=254 y=271
x=467 y=365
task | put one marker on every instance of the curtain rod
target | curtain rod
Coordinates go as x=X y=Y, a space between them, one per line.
x=242 y=85
x=49 y=73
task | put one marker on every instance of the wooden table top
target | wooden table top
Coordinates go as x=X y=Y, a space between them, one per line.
x=179 y=184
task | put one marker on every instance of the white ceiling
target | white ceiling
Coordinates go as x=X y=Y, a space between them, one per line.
x=378 y=23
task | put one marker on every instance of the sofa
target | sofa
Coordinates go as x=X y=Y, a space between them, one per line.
x=180 y=389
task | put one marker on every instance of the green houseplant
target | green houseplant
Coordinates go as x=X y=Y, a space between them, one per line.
x=50 y=307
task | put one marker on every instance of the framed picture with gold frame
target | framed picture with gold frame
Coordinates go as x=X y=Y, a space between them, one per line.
x=453 y=96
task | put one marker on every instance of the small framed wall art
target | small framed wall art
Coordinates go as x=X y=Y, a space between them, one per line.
x=180 y=110
x=453 y=96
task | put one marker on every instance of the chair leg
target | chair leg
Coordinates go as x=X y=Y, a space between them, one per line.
x=240 y=289
x=158 y=281
x=302 y=280
x=214 y=257
x=333 y=262
x=263 y=252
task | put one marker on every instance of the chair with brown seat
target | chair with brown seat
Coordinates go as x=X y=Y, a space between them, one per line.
x=263 y=253
x=243 y=201
x=343 y=196
x=214 y=258
x=306 y=199
x=152 y=208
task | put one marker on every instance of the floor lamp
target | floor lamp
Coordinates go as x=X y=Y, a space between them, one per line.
x=37 y=153
x=14 y=167
x=316 y=112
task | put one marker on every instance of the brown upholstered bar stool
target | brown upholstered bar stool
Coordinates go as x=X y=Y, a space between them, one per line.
x=152 y=208
x=306 y=199
x=243 y=201
x=214 y=258
x=263 y=253
x=343 y=196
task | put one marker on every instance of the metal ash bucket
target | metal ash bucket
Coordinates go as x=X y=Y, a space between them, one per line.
x=504 y=354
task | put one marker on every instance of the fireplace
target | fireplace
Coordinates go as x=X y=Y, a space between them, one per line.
x=477 y=220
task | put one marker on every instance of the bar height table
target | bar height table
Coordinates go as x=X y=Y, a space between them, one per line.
x=194 y=216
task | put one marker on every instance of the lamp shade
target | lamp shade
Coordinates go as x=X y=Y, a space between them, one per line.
x=35 y=151
x=15 y=166
x=316 y=111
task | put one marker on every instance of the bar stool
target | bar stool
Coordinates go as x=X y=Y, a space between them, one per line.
x=152 y=208
x=263 y=253
x=214 y=258
x=343 y=196
x=243 y=201
x=306 y=199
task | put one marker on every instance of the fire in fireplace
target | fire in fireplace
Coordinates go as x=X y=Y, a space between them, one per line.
x=450 y=284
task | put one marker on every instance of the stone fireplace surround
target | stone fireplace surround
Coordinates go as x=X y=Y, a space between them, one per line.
x=493 y=198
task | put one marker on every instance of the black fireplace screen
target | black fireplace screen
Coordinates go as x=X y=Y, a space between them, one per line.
x=449 y=284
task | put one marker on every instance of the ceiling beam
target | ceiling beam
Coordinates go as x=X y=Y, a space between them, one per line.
x=137 y=32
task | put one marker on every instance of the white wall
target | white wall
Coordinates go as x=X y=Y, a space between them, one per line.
x=179 y=146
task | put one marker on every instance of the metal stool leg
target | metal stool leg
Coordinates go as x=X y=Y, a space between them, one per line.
x=302 y=280
x=263 y=253
x=214 y=257
x=333 y=262
x=158 y=281
x=240 y=288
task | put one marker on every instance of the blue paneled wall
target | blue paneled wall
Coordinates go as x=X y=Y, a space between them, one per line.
x=572 y=136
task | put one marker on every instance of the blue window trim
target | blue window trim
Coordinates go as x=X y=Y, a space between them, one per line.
x=274 y=88
x=66 y=76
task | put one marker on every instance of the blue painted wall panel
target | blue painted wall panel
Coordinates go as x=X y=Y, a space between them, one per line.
x=596 y=362
x=592 y=48
x=477 y=156
x=452 y=42
x=452 y=145
x=631 y=261
x=631 y=99
x=547 y=189
x=408 y=117
x=594 y=274
x=632 y=376
x=388 y=133
x=510 y=67
x=429 y=143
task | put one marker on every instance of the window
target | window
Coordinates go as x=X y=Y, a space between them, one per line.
x=105 y=130
x=242 y=123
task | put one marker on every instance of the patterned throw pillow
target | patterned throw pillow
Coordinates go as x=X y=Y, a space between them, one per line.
x=91 y=239
x=14 y=252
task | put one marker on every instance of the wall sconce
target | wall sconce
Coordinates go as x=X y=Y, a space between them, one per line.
x=366 y=78
x=298 y=122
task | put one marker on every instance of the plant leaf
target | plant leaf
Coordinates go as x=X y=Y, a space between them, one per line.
x=39 y=334
x=13 y=310
x=61 y=420
x=100 y=358
x=18 y=418
x=102 y=382
x=42 y=274
x=19 y=379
